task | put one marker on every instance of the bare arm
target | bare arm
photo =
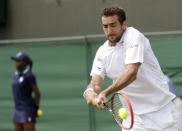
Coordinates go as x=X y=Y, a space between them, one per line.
x=36 y=95
x=96 y=83
x=124 y=80
x=95 y=86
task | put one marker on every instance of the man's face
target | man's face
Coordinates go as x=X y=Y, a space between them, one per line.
x=113 y=29
x=20 y=65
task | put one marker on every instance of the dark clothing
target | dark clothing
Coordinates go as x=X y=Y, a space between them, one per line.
x=24 y=117
x=22 y=91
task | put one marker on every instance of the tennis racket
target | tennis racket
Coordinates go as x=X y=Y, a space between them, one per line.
x=117 y=103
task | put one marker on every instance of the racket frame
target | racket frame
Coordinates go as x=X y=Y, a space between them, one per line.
x=111 y=110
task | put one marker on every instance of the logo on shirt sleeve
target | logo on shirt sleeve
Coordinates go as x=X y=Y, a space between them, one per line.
x=99 y=59
x=133 y=46
x=99 y=68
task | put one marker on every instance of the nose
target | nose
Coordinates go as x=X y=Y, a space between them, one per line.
x=109 y=31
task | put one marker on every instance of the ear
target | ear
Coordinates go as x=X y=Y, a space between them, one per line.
x=125 y=24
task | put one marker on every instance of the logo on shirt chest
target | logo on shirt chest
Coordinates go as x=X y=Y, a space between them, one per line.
x=21 y=79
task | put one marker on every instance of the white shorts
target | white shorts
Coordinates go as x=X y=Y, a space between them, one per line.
x=166 y=119
x=178 y=103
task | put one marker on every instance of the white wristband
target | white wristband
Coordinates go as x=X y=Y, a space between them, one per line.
x=88 y=89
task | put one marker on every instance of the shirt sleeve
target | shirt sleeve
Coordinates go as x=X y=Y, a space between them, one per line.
x=32 y=80
x=135 y=50
x=98 y=65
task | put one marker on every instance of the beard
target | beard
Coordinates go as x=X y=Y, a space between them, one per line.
x=113 y=38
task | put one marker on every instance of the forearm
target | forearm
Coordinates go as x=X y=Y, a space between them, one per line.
x=93 y=89
x=37 y=98
x=124 y=80
x=96 y=87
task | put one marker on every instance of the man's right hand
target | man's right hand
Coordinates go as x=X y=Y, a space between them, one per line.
x=93 y=89
x=90 y=97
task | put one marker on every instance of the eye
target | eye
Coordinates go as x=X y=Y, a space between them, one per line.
x=105 y=26
x=113 y=25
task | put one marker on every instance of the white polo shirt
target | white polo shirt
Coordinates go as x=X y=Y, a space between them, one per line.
x=149 y=92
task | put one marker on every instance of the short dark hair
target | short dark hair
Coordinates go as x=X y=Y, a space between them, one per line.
x=114 y=10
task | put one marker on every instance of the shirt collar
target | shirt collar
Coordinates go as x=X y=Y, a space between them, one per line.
x=122 y=38
x=24 y=72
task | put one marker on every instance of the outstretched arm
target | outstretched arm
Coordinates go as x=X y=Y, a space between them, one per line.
x=124 y=80
x=129 y=75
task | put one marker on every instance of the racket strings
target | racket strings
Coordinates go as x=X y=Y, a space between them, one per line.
x=117 y=104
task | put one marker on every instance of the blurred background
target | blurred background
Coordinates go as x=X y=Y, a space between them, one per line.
x=62 y=37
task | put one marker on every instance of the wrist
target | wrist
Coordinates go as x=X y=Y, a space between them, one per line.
x=37 y=107
x=109 y=90
x=105 y=93
x=88 y=90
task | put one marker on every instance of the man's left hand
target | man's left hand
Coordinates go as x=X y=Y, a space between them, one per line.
x=101 y=100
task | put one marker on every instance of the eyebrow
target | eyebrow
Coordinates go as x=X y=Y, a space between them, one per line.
x=109 y=24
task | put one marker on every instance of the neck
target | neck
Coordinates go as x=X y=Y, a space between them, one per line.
x=114 y=43
x=24 y=70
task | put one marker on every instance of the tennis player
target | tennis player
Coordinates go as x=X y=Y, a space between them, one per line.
x=127 y=58
x=26 y=94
